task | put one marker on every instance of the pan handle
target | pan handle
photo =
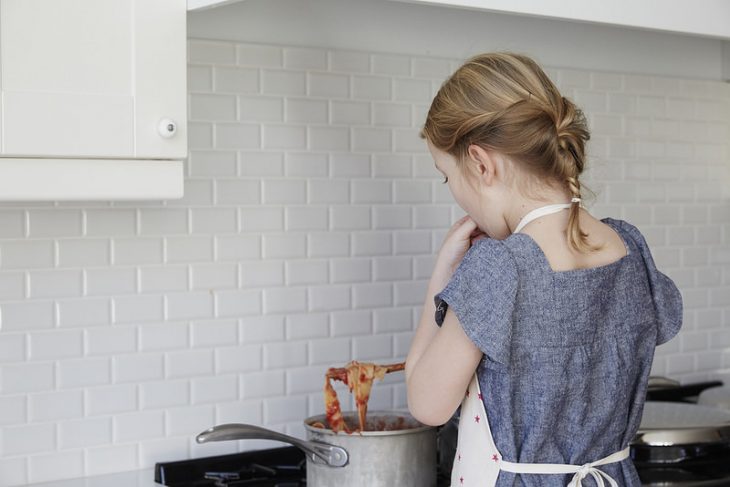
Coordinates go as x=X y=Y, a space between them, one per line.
x=318 y=451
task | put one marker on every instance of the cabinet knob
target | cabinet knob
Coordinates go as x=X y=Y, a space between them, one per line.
x=167 y=128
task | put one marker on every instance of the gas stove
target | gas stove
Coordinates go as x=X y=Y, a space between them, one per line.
x=275 y=467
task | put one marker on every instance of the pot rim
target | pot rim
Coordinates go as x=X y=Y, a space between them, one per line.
x=327 y=431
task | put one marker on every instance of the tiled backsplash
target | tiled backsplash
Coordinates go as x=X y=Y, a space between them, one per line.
x=311 y=216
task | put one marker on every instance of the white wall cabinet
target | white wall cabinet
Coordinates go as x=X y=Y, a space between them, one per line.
x=93 y=79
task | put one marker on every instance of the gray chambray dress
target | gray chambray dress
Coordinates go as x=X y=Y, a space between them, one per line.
x=567 y=354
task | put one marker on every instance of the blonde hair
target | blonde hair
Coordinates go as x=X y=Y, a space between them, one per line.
x=504 y=101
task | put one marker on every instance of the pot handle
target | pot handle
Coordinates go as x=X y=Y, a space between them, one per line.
x=318 y=451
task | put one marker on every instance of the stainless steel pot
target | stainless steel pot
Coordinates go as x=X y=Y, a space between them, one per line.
x=400 y=451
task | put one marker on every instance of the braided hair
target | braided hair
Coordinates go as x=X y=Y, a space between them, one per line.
x=504 y=101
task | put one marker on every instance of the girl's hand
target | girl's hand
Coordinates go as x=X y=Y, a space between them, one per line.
x=460 y=237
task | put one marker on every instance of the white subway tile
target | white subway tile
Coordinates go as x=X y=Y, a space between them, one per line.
x=284 y=191
x=214 y=276
x=137 y=367
x=392 y=114
x=111 y=222
x=289 y=408
x=371 y=139
x=50 y=406
x=147 y=250
x=409 y=293
x=55 y=344
x=189 y=305
x=413 y=90
x=138 y=426
x=372 y=295
x=237 y=302
x=111 y=399
x=262 y=384
x=329 y=351
x=371 y=87
x=392 y=320
x=261 y=108
x=372 y=191
x=391 y=64
x=371 y=243
x=349 y=61
x=134 y=309
x=12 y=285
x=26 y=439
x=12 y=223
x=349 y=323
x=328 y=191
x=306 y=218
x=282 y=82
x=84 y=432
x=212 y=163
x=430 y=68
x=432 y=217
x=105 y=282
x=261 y=219
x=163 y=394
x=83 y=372
x=392 y=268
x=87 y=252
x=306 y=164
x=163 y=278
x=238 y=359
x=328 y=85
x=303 y=110
x=211 y=52
x=212 y=107
x=55 y=466
x=391 y=217
x=167 y=336
x=329 y=297
x=407 y=140
x=55 y=283
x=350 y=217
x=107 y=459
x=214 y=389
x=308 y=325
x=200 y=79
x=305 y=58
x=259 y=55
x=350 y=165
x=235 y=80
x=54 y=223
x=12 y=347
x=260 y=329
x=210 y=333
x=350 y=112
x=237 y=247
x=235 y=192
x=284 y=300
x=350 y=270
x=277 y=246
x=412 y=191
x=189 y=249
x=25 y=315
x=376 y=347
x=26 y=254
x=306 y=272
x=262 y=273
x=13 y=410
x=237 y=136
x=329 y=138
x=328 y=244
x=189 y=420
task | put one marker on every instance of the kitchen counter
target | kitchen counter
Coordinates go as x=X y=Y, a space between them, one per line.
x=132 y=478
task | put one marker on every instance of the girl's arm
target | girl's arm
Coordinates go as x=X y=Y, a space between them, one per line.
x=441 y=361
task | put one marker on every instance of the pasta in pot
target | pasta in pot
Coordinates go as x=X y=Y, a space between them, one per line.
x=359 y=379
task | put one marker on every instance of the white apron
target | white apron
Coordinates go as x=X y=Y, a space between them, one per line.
x=477 y=461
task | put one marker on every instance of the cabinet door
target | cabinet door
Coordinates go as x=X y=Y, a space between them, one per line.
x=92 y=78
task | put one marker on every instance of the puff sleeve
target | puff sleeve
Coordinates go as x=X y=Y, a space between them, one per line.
x=667 y=299
x=482 y=294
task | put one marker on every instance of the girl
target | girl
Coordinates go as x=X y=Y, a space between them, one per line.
x=540 y=323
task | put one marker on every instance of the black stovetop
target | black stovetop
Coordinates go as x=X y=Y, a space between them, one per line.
x=275 y=467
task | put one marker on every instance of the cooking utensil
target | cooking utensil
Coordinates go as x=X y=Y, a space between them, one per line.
x=394 y=450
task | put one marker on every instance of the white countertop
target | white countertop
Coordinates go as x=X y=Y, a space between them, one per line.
x=132 y=478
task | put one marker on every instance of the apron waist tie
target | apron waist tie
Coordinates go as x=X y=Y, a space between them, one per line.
x=581 y=471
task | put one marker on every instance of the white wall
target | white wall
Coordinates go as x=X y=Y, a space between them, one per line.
x=306 y=237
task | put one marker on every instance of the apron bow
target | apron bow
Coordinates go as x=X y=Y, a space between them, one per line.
x=597 y=475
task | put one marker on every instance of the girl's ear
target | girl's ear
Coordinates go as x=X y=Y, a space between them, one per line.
x=482 y=164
